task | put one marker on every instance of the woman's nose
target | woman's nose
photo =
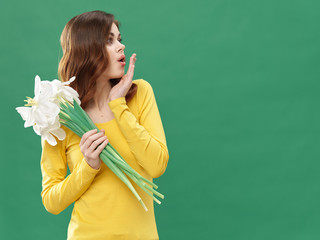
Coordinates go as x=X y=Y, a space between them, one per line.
x=122 y=46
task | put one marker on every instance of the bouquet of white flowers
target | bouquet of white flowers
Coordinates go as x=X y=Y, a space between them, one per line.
x=56 y=103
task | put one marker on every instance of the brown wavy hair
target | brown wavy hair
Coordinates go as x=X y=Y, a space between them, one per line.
x=83 y=41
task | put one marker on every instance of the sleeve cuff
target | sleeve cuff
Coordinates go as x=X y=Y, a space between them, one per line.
x=116 y=102
x=88 y=169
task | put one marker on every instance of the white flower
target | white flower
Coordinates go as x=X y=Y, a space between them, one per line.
x=66 y=92
x=47 y=132
x=42 y=111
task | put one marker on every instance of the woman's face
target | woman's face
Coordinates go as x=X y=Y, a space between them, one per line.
x=115 y=51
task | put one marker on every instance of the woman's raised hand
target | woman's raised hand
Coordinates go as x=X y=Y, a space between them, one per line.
x=122 y=88
x=91 y=145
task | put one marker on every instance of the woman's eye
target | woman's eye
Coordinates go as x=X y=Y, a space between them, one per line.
x=120 y=40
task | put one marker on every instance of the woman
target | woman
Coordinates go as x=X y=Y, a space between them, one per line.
x=127 y=114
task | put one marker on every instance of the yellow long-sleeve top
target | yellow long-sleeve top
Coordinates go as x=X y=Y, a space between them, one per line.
x=104 y=207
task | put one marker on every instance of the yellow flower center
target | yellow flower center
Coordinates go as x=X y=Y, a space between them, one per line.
x=31 y=102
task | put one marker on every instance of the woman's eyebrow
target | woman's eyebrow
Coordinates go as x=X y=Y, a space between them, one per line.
x=112 y=34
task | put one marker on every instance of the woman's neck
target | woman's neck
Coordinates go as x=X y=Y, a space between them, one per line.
x=100 y=98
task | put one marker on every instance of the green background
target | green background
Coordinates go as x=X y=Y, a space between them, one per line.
x=237 y=86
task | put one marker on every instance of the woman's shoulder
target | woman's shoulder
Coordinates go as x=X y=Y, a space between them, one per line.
x=67 y=130
x=143 y=91
x=144 y=88
x=142 y=83
x=69 y=133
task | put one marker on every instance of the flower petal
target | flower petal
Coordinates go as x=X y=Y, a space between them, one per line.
x=40 y=118
x=50 y=139
x=70 y=81
x=30 y=118
x=59 y=133
x=69 y=93
x=48 y=108
x=37 y=129
x=24 y=112
x=37 y=86
x=48 y=91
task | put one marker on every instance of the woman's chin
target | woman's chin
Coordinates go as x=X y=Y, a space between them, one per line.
x=118 y=74
x=121 y=74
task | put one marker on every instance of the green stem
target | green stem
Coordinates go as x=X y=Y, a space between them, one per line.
x=132 y=174
x=142 y=187
x=83 y=113
x=120 y=161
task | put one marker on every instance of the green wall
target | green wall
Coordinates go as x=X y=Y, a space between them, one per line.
x=237 y=86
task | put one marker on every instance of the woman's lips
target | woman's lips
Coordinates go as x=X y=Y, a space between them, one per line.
x=122 y=63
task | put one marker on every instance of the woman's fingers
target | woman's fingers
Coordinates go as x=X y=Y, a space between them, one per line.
x=95 y=144
x=86 y=135
x=101 y=147
x=133 y=60
x=91 y=145
x=91 y=138
x=131 y=67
